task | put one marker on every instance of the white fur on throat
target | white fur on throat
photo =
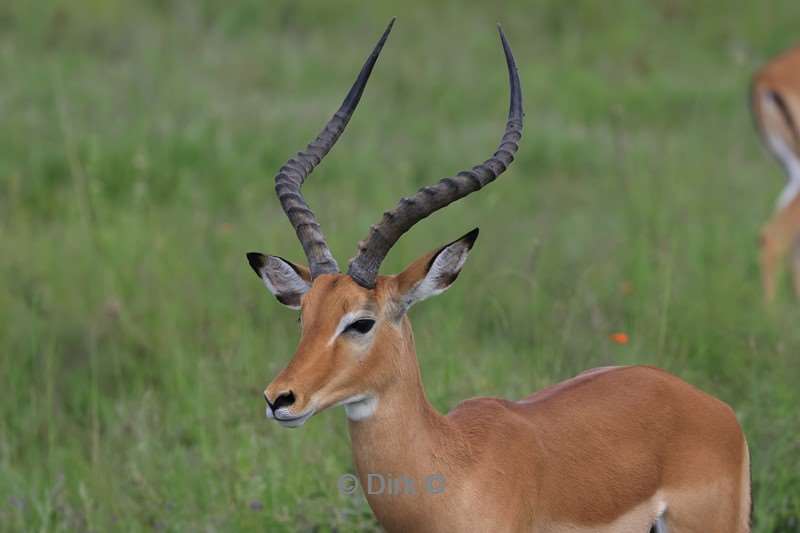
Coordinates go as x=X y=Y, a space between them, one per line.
x=360 y=407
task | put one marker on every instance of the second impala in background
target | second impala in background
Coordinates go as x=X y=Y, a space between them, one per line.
x=776 y=107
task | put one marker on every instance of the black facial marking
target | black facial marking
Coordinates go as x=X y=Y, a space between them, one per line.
x=257 y=262
x=469 y=238
x=287 y=299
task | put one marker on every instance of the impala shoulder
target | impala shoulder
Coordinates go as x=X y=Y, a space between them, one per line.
x=482 y=414
x=481 y=406
x=489 y=420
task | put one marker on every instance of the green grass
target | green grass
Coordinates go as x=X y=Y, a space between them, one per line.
x=137 y=149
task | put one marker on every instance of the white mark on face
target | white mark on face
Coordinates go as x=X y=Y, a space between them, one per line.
x=345 y=321
x=287 y=419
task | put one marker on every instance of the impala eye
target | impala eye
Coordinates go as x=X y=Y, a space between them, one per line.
x=361 y=326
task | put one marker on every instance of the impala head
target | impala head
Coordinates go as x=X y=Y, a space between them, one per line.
x=354 y=326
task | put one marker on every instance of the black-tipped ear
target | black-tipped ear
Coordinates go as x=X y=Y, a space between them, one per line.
x=434 y=273
x=471 y=237
x=284 y=279
x=468 y=240
x=257 y=262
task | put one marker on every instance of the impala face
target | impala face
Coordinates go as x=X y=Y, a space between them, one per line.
x=351 y=337
x=334 y=361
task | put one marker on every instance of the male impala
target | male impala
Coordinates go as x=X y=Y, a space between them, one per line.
x=776 y=106
x=615 y=449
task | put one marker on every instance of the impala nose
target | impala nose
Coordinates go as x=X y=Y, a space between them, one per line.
x=284 y=399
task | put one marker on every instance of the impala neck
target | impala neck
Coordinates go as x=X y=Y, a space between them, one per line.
x=405 y=435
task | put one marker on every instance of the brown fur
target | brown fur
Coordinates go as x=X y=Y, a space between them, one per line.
x=776 y=107
x=778 y=236
x=600 y=452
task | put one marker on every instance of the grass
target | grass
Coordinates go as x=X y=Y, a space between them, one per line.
x=137 y=148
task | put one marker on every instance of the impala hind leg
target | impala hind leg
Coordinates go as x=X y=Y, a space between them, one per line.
x=700 y=512
x=771 y=255
x=796 y=267
x=722 y=510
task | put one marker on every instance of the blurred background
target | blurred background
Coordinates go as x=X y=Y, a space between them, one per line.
x=137 y=150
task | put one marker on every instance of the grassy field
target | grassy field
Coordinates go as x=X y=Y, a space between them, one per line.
x=137 y=149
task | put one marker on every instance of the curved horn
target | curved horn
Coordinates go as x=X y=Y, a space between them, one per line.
x=382 y=236
x=292 y=175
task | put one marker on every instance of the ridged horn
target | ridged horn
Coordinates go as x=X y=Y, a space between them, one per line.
x=291 y=176
x=372 y=250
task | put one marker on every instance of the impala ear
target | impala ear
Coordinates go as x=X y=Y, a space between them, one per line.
x=434 y=272
x=286 y=280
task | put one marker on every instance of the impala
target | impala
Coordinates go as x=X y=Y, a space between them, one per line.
x=776 y=107
x=615 y=449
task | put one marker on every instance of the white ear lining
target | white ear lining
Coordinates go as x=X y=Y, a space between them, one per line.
x=283 y=281
x=442 y=273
